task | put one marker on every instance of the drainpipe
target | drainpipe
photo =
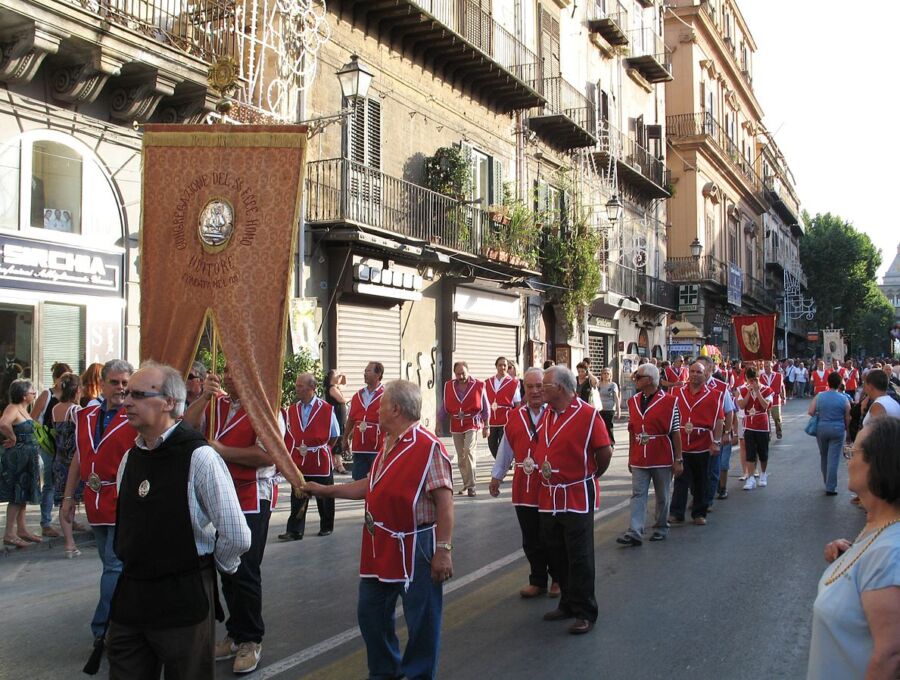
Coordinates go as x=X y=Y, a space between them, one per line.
x=301 y=226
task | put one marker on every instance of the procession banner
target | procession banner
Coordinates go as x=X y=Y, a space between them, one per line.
x=834 y=345
x=756 y=336
x=220 y=208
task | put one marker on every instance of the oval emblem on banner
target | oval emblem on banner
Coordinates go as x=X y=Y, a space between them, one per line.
x=216 y=225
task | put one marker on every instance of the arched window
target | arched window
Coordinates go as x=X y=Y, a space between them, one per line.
x=657 y=351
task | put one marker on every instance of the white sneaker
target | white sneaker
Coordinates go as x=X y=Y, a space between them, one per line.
x=750 y=484
x=247 y=658
x=225 y=649
x=763 y=479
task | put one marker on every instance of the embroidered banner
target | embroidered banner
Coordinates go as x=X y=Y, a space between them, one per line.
x=220 y=208
x=756 y=336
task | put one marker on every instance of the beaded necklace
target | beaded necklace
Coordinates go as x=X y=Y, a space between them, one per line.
x=835 y=576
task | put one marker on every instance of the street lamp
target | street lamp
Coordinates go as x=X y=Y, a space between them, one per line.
x=696 y=248
x=354 y=79
x=614 y=209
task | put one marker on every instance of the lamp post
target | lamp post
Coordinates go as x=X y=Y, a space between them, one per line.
x=696 y=249
x=614 y=209
x=354 y=79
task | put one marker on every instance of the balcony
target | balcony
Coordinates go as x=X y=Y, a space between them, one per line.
x=756 y=290
x=340 y=192
x=706 y=269
x=456 y=40
x=784 y=203
x=779 y=258
x=567 y=120
x=649 y=56
x=635 y=165
x=650 y=290
x=609 y=25
x=702 y=128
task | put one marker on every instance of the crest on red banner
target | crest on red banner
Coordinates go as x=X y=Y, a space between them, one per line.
x=756 y=335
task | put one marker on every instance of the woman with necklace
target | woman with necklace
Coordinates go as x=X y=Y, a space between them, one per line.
x=20 y=481
x=856 y=615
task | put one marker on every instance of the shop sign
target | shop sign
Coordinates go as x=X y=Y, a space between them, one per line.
x=56 y=267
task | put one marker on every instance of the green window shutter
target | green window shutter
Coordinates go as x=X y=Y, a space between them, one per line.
x=497 y=181
x=62 y=338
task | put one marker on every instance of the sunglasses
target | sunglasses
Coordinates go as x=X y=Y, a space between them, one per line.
x=191 y=376
x=138 y=394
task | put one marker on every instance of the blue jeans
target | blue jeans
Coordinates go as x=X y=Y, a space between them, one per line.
x=362 y=463
x=716 y=465
x=112 y=567
x=830 y=437
x=46 y=488
x=422 y=606
x=640 y=486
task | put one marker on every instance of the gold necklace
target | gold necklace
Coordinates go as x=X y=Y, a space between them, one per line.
x=835 y=576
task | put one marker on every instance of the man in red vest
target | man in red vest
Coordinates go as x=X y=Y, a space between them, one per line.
x=467 y=405
x=406 y=539
x=702 y=420
x=755 y=399
x=675 y=375
x=775 y=382
x=222 y=419
x=502 y=391
x=517 y=445
x=312 y=432
x=819 y=377
x=573 y=450
x=654 y=453
x=851 y=378
x=363 y=433
x=102 y=438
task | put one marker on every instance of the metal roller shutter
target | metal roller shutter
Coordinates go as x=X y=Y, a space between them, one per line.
x=62 y=338
x=367 y=334
x=479 y=345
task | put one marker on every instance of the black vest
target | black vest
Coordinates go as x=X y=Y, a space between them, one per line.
x=161 y=584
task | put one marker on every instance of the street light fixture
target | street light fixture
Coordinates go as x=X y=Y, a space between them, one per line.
x=614 y=209
x=354 y=79
x=696 y=248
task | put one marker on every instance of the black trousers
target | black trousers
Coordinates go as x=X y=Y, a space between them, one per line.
x=530 y=524
x=757 y=446
x=243 y=589
x=185 y=653
x=608 y=421
x=568 y=538
x=494 y=438
x=297 y=521
x=696 y=478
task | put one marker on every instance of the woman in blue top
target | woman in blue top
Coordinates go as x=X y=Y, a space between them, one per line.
x=856 y=615
x=834 y=416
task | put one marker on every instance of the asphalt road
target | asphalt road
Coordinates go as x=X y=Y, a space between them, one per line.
x=729 y=600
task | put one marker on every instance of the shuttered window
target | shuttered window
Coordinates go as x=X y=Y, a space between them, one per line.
x=549 y=43
x=363 y=138
x=62 y=338
x=367 y=333
x=479 y=345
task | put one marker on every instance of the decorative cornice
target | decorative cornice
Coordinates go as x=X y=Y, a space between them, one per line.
x=21 y=57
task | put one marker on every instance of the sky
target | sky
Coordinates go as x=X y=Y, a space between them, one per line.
x=825 y=75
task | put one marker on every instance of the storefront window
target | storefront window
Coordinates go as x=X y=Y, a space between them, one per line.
x=16 y=326
x=56 y=185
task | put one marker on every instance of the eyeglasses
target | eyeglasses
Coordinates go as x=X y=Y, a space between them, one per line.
x=138 y=394
x=191 y=376
x=638 y=376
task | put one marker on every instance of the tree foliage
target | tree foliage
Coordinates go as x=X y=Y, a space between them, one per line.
x=840 y=265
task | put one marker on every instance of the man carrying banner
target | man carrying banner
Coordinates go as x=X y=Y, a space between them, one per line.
x=406 y=539
x=312 y=431
x=775 y=382
x=467 y=405
x=517 y=446
x=502 y=391
x=102 y=437
x=363 y=433
x=222 y=416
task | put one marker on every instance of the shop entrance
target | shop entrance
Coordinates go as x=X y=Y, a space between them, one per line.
x=16 y=342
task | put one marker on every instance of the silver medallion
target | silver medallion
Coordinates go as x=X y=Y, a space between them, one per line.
x=494 y=407
x=216 y=224
x=144 y=488
x=528 y=465
x=370 y=523
x=643 y=438
x=689 y=427
x=546 y=469
x=304 y=449
x=93 y=481
x=362 y=427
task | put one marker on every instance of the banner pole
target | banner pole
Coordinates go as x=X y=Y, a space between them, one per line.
x=214 y=353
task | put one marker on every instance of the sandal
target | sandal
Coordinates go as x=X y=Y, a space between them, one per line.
x=15 y=542
x=74 y=552
x=31 y=538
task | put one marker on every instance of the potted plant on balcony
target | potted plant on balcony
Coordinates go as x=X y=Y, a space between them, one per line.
x=449 y=172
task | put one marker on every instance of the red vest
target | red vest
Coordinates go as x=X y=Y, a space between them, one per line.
x=522 y=440
x=773 y=382
x=367 y=435
x=238 y=433
x=308 y=445
x=563 y=452
x=501 y=400
x=465 y=413
x=389 y=537
x=650 y=445
x=851 y=379
x=102 y=459
x=699 y=413
x=676 y=375
x=716 y=384
x=819 y=381
x=737 y=379
x=756 y=412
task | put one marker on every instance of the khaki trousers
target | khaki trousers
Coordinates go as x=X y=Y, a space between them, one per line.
x=464 y=443
x=776 y=416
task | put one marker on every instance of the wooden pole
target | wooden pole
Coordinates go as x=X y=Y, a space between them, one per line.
x=214 y=353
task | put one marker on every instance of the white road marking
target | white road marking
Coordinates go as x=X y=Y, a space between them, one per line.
x=335 y=641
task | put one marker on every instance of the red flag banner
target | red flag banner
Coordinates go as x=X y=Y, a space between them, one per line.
x=220 y=208
x=756 y=336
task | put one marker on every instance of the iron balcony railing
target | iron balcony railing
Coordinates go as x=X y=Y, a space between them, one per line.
x=612 y=24
x=694 y=270
x=564 y=99
x=649 y=290
x=468 y=19
x=648 y=53
x=703 y=124
x=784 y=258
x=757 y=290
x=342 y=191
x=626 y=149
x=204 y=28
x=780 y=193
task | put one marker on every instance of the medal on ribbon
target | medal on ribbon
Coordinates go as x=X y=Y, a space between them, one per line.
x=528 y=465
x=546 y=469
x=304 y=449
x=370 y=523
x=461 y=414
x=752 y=411
x=144 y=488
x=93 y=481
x=362 y=427
x=494 y=407
x=689 y=427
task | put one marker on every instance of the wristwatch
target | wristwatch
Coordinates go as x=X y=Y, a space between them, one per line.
x=679 y=460
x=444 y=544
x=717 y=442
